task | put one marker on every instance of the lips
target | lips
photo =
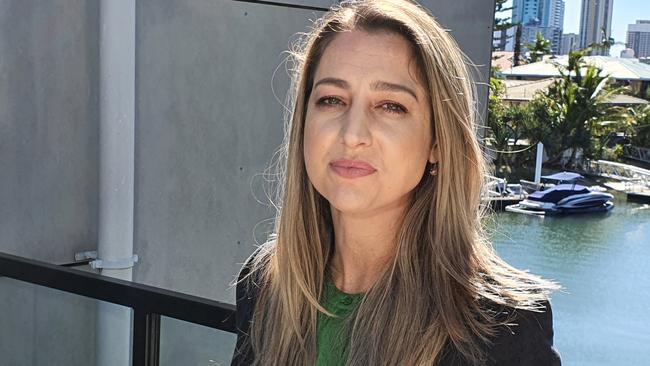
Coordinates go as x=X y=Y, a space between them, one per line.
x=352 y=168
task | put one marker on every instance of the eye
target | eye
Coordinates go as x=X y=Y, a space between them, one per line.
x=329 y=101
x=392 y=107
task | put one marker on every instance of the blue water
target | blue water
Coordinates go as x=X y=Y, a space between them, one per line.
x=602 y=317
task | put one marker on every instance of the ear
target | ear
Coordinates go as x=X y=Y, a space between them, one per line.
x=433 y=155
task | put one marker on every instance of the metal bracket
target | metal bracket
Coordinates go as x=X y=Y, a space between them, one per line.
x=122 y=263
x=90 y=254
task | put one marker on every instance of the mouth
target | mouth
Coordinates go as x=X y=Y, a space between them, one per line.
x=352 y=168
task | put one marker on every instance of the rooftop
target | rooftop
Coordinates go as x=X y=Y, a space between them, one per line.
x=502 y=59
x=618 y=68
x=525 y=90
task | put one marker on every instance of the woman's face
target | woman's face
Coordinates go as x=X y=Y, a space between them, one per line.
x=367 y=135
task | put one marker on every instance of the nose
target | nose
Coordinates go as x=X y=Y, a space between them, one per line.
x=355 y=129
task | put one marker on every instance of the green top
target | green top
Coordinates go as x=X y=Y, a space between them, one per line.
x=332 y=333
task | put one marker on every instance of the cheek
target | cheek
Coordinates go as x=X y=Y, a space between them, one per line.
x=319 y=135
x=410 y=157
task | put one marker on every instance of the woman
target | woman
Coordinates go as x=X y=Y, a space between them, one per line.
x=378 y=256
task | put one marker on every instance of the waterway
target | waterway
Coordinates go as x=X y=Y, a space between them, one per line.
x=602 y=316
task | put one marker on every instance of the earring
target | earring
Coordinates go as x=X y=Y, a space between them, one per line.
x=433 y=170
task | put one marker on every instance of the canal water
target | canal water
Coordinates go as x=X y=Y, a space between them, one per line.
x=602 y=317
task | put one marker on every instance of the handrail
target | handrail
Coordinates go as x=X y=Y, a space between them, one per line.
x=147 y=302
x=286 y=5
x=637 y=153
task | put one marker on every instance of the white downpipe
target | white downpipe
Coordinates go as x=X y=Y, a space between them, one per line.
x=116 y=171
x=538 y=164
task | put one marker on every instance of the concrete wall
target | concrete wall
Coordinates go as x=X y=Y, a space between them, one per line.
x=48 y=172
x=207 y=124
x=48 y=127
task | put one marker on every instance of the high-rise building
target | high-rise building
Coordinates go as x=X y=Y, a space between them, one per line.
x=503 y=40
x=526 y=11
x=570 y=42
x=638 y=38
x=595 y=16
x=544 y=16
x=627 y=53
x=552 y=13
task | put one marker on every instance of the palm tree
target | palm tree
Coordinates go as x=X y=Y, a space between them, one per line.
x=606 y=41
x=638 y=125
x=573 y=108
x=539 y=48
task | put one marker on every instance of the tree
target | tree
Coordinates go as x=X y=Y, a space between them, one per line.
x=571 y=111
x=517 y=48
x=638 y=125
x=506 y=125
x=606 y=42
x=518 y=118
x=539 y=48
x=505 y=22
x=498 y=133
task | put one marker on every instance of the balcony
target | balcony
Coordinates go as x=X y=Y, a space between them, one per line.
x=55 y=315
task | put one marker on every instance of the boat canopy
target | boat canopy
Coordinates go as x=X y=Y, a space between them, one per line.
x=563 y=176
x=557 y=193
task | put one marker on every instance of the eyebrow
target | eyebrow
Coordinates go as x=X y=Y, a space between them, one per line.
x=376 y=85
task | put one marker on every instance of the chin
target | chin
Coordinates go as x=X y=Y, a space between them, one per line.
x=347 y=197
x=349 y=202
x=348 y=208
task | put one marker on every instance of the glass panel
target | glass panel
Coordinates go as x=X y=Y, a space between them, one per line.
x=42 y=326
x=183 y=343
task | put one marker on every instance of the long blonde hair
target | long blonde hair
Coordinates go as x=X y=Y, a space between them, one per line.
x=432 y=293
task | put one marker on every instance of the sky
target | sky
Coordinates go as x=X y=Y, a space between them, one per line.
x=625 y=12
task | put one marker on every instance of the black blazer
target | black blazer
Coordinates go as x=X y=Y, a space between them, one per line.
x=529 y=343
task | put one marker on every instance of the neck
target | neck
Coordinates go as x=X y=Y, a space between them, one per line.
x=363 y=246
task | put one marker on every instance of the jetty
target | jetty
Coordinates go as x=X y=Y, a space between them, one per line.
x=630 y=179
x=498 y=193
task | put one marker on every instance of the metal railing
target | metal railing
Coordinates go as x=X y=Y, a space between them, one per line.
x=637 y=153
x=148 y=303
x=629 y=174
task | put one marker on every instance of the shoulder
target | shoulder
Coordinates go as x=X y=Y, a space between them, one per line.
x=247 y=289
x=526 y=338
x=247 y=292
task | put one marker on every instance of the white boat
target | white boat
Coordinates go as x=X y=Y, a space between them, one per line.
x=563 y=198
